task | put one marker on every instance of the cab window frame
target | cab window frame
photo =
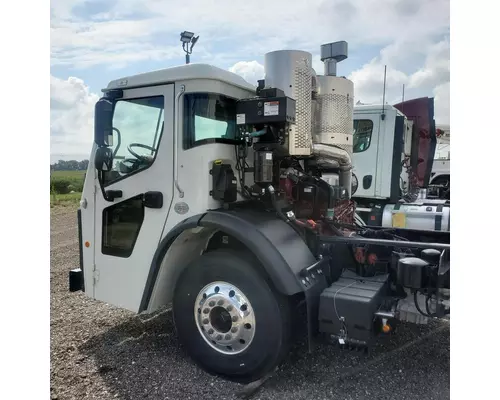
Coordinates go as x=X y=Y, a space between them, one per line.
x=188 y=130
x=156 y=137
x=355 y=125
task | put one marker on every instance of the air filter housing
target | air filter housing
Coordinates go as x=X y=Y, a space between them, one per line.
x=333 y=112
x=291 y=71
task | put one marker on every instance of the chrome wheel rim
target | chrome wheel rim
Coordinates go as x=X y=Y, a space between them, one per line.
x=224 y=317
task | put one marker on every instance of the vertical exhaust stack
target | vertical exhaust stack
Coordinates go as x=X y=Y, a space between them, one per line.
x=331 y=54
x=333 y=116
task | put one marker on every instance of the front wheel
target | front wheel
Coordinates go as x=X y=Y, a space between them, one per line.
x=229 y=318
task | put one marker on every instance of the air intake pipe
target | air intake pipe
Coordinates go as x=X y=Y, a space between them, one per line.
x=339 y=158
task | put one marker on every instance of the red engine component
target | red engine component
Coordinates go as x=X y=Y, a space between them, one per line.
x=313 y=204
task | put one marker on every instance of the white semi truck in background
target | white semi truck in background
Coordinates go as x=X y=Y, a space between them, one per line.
x=238 y=206
x=393 y=157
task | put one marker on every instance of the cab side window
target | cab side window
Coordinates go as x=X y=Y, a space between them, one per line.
x=363 y=129
x=208 y=118
x=137 y=129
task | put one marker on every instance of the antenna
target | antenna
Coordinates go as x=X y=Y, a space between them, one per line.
x=186 y=39
x=403 y=100
x=383 y=94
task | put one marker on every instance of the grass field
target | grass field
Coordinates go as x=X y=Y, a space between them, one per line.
x=62 y=183
x=65 y=200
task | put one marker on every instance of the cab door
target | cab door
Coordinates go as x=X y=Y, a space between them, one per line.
x=365 y=153
x=139 y=188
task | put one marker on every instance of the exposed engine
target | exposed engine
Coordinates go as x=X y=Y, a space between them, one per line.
x=297 y=132
x=299 y=128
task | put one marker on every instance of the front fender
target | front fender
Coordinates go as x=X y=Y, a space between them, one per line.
x=280 y=250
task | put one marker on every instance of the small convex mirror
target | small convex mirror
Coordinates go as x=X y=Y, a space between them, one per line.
x=103 y=160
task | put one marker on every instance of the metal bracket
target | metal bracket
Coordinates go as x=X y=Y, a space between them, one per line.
x=176 y=136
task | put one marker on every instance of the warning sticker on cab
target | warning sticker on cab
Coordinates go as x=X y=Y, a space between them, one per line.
x=271 y=108
x=240 y=119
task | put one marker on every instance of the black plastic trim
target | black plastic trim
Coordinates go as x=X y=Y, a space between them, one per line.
x=282 y=252
x=367 y=181
x=161 y=250
x=114 y=94
x=80 y=245
x=275 y=244
x=153 y=199
x=112 y=251
x=397 y=151
x=76 y=280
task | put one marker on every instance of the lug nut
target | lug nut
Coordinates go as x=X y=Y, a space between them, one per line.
x=212 y=303
x=220 y=302
x=227 y=337
x=219 y=337
x=206 y=311
x=235 y=318
x=234 y=329
x=229 y=308
x=205 y=321
x=210 y=331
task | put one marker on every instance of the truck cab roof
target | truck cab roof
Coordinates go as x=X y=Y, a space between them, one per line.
x=375 y=108
x=180 y=73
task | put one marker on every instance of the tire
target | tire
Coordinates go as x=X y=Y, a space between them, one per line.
x=271 y=325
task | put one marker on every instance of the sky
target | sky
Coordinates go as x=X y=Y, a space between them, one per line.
x=96 y=41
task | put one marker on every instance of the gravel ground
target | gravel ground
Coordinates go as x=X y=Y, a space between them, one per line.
x=101 y=352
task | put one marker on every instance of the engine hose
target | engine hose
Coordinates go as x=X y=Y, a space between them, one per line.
x=427 y=308
x=418 y=307
x=280 y=214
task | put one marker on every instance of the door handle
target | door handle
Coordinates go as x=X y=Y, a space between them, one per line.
x=153 y=199
x=111 y=195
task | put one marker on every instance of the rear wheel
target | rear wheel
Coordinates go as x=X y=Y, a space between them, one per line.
x=229 y=318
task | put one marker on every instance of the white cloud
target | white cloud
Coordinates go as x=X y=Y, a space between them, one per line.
x=251 y=71
x=442 y=103
x=430 y=78
x=71 y=118
x=128 y=26
x=132 y=31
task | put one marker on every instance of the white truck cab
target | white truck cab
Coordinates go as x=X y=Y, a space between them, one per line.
x=160 y=141
x=380 y=134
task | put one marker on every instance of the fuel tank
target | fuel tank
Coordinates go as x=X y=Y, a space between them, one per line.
x=425 y=215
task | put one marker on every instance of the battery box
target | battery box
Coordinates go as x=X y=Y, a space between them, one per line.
x=349 y=304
